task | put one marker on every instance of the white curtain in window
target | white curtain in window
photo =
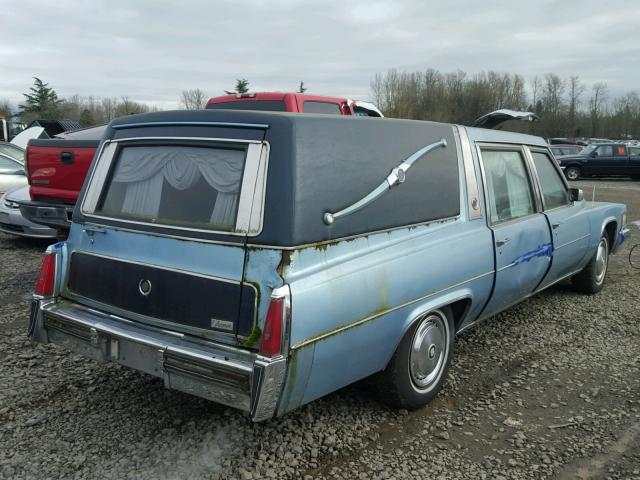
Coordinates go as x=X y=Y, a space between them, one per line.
x=144 y=169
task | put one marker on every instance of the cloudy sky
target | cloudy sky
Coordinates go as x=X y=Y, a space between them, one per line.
x=152 y=50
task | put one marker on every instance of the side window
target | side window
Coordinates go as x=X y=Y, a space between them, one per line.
x=605 y=151
x=508 y=185
x=322 y=107
x=621 y=150
x=635 y=151
x=553 y=189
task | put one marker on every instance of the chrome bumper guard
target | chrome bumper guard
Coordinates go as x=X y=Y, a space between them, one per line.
x=223 y=374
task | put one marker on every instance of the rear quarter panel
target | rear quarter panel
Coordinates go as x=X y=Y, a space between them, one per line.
x=353 y=300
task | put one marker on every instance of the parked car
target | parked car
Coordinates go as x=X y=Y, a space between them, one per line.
x=12 y=174
x=603 y=159
x=56 y=169
x=563 y=150
x=293 y=102
x=12 y=222
x=263 y=260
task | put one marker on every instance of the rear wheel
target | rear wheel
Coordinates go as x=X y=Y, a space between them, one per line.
x=419 y=366
x=591 y=278
x=572 y=173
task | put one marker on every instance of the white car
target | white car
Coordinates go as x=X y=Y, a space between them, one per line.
x=12 y=221
x=12 y=174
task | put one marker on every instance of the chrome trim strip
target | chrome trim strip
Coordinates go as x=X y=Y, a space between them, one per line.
x=529 y=154
x=195 y=124
x=512 y=147
x=247 y=199
x=396 y=177
x=535 y=292
x=389 y=310
x=473 y=197
x=512 y=264
x=248 y=187
x=190 y=139
x=256 y=219
x=572 y=241
x=98 y=176
x=353 y=237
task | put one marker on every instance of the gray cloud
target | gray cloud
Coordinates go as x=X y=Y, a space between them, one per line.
x=151 y=50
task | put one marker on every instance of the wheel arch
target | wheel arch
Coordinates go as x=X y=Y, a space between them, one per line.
x=610 y=227
x=458 y=303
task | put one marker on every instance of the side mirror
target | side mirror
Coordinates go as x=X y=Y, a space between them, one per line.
x=594 y=153
x=577 y=195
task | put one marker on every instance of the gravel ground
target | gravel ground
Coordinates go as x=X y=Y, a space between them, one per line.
x=548 y=389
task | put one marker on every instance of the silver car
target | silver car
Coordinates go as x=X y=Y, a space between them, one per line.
x=12 y=174
x=11 y=221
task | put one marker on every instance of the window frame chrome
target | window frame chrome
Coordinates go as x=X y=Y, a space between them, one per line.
x=249 y=220
x=471 y=179
x=546 y=151
x=511 y=147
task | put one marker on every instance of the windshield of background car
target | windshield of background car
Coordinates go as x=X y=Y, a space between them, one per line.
x=588 y=149
x=12 y=151
x=263 y=105
x=175 y=185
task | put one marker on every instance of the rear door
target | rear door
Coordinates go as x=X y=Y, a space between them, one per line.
x=568 y=220
x=521 y=235
x=166 y=220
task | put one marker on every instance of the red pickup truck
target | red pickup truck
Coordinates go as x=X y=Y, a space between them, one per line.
x=56 y=167
x=294 y=102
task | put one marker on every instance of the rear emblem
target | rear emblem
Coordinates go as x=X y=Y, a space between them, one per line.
x=144 y=287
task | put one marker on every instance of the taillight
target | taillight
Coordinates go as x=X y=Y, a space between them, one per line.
x=44 y=285
x=273 y=333
x=26 y=164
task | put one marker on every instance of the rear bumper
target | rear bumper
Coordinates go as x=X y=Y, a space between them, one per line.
x=226 y=375
x=12 y=221
x=50 y=214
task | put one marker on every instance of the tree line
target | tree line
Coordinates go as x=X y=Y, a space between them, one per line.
x=42 y=102
x=567 y=107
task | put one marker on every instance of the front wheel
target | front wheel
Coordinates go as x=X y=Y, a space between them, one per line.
x=591 y=278
x=572 y=173
x=419 y=366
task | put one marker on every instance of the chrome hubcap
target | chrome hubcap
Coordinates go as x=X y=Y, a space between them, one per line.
x=601 y=261
x=572 y=174
x=429 y=350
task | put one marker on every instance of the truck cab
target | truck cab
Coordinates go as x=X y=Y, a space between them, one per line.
x=603 y=160
x=293 y=102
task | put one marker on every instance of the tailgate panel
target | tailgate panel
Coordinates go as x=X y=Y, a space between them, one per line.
x=57 y=168
x=192 y=300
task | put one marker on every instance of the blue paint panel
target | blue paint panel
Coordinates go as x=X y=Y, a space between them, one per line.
x=225 y=261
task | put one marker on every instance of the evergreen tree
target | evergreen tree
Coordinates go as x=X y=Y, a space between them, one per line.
x=242 y=86
x=42 y=102
x=86 y=118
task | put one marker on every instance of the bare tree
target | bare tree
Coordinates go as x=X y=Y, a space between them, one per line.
x=193 y=99
x=576 y=88
x=5 y=108
x=597 y=104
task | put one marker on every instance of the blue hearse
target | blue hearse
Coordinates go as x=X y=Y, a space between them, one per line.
x=263 y=260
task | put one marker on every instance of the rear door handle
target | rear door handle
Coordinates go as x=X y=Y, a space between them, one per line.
x=67 y=158
x=555 y=225
x=504 y=241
